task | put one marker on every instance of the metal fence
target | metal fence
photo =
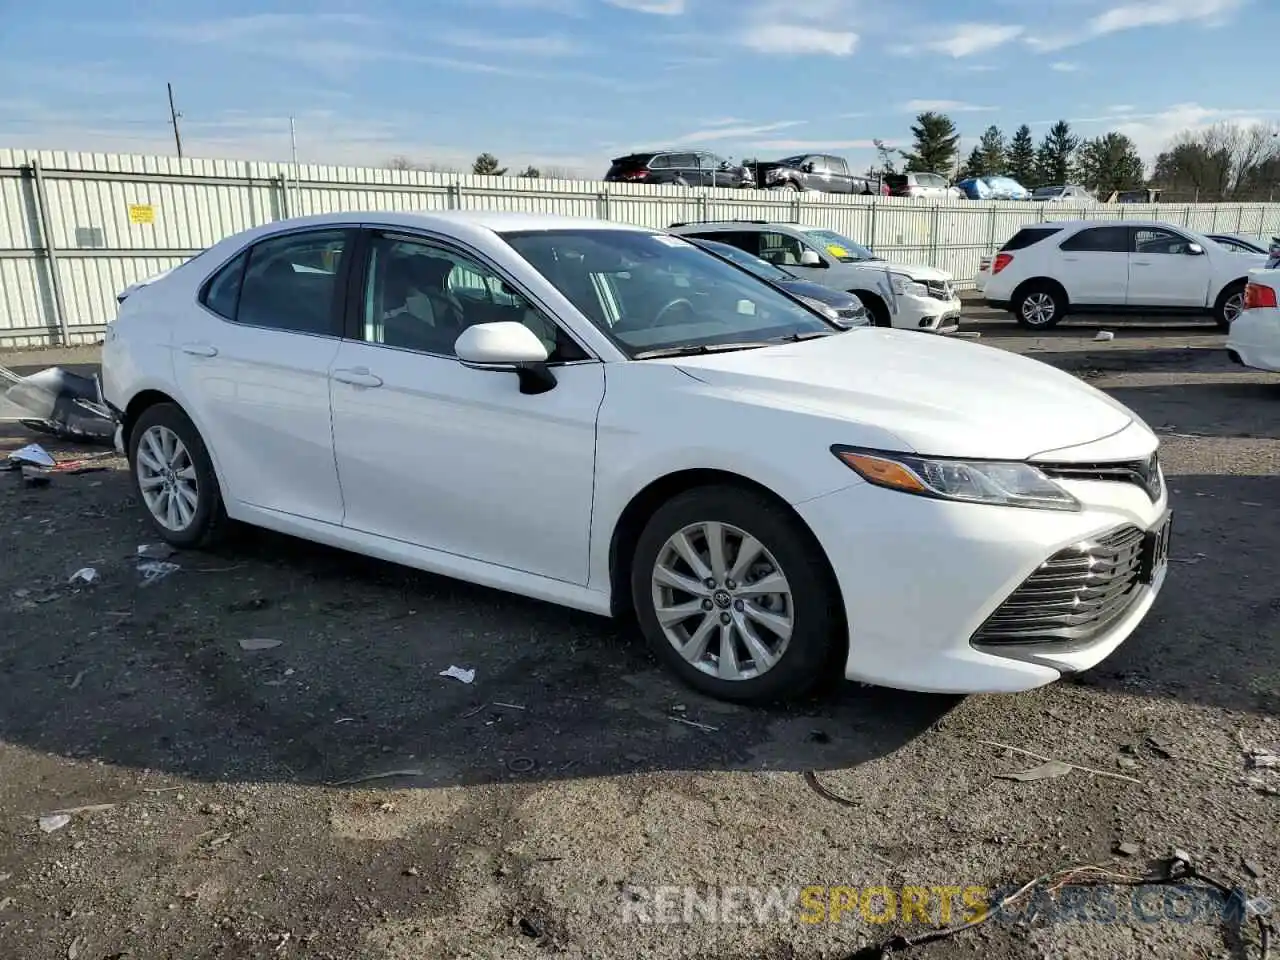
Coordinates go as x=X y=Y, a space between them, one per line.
x=77 y=228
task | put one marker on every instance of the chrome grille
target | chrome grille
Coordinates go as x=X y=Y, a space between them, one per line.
x=1075 y=595
x=940 y=289
x=1142 y=473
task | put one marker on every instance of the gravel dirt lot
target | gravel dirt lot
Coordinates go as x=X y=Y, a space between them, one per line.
x=519 y=815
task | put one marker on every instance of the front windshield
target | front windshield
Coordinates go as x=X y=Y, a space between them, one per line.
x=1042 y=193
x=653 y=292
x=838 y=246
x=761 y=268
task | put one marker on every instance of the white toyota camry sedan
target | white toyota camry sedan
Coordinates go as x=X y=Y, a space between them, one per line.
x=608 y=418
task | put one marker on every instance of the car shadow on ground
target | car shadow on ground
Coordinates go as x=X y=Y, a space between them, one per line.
x=155 y=676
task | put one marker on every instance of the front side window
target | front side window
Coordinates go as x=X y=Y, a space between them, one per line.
x=760 y=268
x=1098 y=240
x=285 y=283
x=781 y=249
x=1151 y=240
x=654 y=292
x=419 y=296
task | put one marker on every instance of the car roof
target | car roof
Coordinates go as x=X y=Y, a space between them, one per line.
x=739 y=225
x=1110 y=222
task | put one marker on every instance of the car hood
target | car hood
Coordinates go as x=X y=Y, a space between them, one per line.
x=916 y=271
x=816 y=291
x=936 y=395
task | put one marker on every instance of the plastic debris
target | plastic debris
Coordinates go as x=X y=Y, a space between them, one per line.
x=84 y=575
x=1046 y=771
x=154 y=570
x=1127 y=849
x=259 y=643
x=36 y=476
x=154 y=551
x=460 y=673
x=1104 y=335
x=54 y=821
x=33 y=454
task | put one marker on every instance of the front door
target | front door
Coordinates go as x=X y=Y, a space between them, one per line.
x=253 y=367
x=1163 y=272
x=444 y=456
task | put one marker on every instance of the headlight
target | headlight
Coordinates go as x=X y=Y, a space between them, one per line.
x=820 y=307
x=774 y=175
x=1007 y=484
x=905 y=286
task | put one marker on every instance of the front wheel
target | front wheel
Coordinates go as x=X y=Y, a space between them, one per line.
x=1229 y=306
x=1040 y=307
x=733 y=594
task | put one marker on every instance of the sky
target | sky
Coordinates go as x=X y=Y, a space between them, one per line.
x=572 y=83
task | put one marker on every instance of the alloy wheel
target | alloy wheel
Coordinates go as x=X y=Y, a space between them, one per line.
x=1038 y=309
x=1233 y=307
x=167 y=478
x=722 y=601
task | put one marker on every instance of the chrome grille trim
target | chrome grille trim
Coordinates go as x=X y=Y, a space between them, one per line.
x=940 y=289
x=1142 y=473
x=1074 y=596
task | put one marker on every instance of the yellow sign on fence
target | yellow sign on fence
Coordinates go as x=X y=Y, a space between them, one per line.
x=142 y=213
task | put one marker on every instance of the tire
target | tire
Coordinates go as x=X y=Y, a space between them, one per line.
x=1232 y=296
x=810 y=603
x=1040 y=306
x=876 y=307
x=152 y=433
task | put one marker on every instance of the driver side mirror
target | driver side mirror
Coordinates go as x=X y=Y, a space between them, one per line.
x=1195 y=249
x=507 y=345
x=809 y=258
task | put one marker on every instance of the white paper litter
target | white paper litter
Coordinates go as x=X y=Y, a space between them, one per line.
x=54 y=821
x=84 y=575
x=153 y=570
x=1104 y=335
x=459 y=673
x=259 y=643
x=33 y=453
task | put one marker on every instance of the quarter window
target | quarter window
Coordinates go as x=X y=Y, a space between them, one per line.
x=421 y=297
x=222 y=295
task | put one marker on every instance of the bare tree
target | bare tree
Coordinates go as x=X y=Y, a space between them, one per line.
x=1225 y=161
x=558 y=173
x=400 y=162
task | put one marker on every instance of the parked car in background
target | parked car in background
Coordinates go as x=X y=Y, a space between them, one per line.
x=819 y=172
x=635 y=428
x=1238 y=244
x=993 y=188
x=683 y=168
x=837 y=306
x=1049 y=270
x=932 y=186
x=910 y=296
x=1254 y=338
x=1068 y=193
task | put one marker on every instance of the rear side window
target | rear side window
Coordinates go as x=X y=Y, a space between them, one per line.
x=1028 y=236
x=1099 y=240
x=222 y=295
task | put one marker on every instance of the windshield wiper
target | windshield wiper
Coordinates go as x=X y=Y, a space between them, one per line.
x=808 y=335
x=692 y=350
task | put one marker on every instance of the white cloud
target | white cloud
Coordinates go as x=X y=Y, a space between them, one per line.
x=662 y=8
x=799 y=39
x=800 y=146
x=965 y=39
x=741 y=132
x=722 y=121
x=545 y=46
x=943 y=106
x=1137 y=15
x=1065 y=66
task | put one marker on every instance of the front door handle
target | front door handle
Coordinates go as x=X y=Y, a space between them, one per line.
x=357 y=377
x=200 y=349
x=1140 y=263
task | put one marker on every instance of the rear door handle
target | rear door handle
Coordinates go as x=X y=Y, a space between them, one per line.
x=357 y=377
x=200 y=349
x=1140 y=263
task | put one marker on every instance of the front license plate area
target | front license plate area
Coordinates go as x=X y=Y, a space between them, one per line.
x=1155 y=549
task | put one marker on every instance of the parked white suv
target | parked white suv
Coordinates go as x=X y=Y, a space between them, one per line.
x=1048 y=270
x=911 y=296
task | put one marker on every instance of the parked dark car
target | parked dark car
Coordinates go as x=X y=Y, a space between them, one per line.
x=813 y=171
x=683 y=168
x=844 y=309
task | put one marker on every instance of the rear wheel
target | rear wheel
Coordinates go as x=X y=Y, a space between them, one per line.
x=1040 y=306
x=1230 y=303
x=733 y=595
x=174 y=479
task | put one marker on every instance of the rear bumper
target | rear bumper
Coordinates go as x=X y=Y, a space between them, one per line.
x=1254 y=339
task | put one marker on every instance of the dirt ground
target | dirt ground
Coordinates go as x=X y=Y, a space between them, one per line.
x=534 y=812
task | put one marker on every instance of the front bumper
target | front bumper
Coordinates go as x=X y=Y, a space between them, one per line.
x=929 y=314
x=921 y=578
x=1254 y=339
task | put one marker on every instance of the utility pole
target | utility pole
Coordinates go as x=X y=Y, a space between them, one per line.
x=173 y=118
x=293 y=146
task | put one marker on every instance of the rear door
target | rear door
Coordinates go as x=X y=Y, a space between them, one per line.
x=1093 y=266
x=839 y=180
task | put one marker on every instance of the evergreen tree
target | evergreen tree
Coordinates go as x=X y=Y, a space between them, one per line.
x=486 y=165
x=936 y=142
x=1110 y=162
x=1055 y=160
x=1020 y=161
x=991 y=148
